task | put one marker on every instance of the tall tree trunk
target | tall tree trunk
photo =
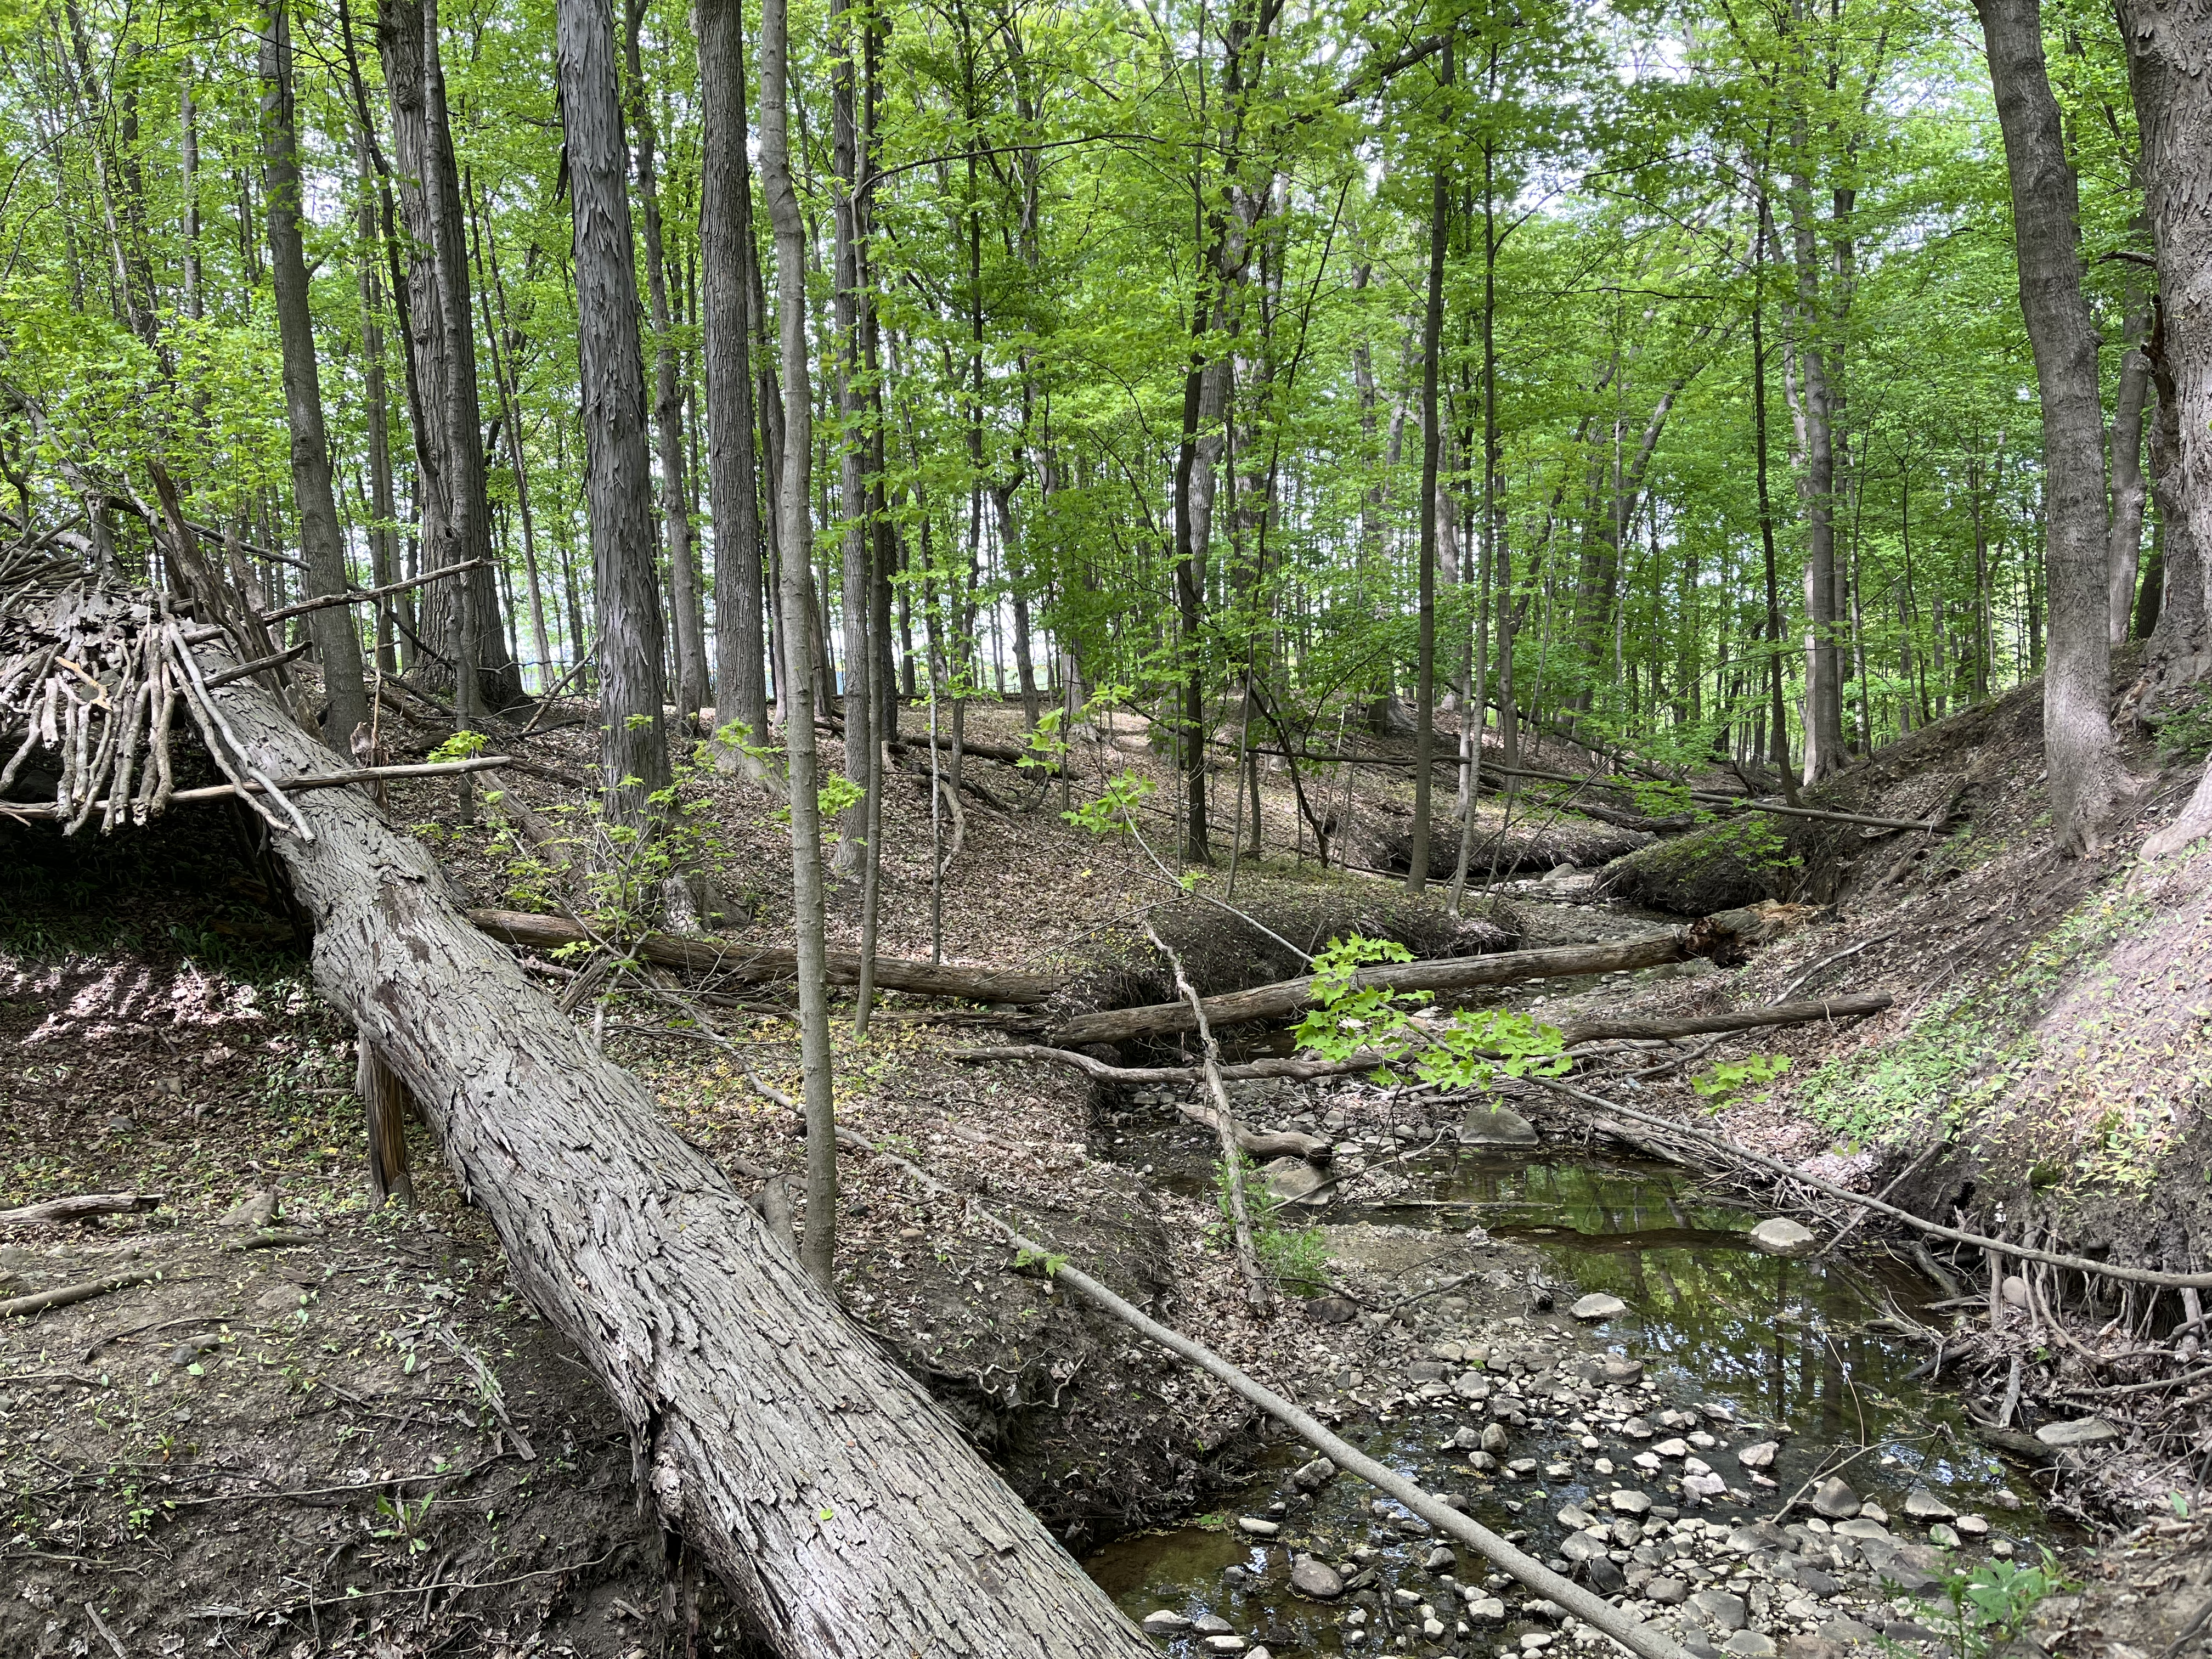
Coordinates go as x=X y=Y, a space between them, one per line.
x=337 y=645
x=632 y=745
x=725 y=232
x=2166 y=44
x=689 y=618
x=2124 y=522
x=383 y=531
x=450 y=443
x=2079 y=752
x=849 y=214
x=1776 y=719
x=1425 y=680
x=819 y=1240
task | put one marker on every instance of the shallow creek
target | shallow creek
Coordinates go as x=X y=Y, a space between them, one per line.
x=1731 y=1350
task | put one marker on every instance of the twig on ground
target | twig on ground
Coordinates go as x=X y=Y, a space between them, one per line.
x=101 y=1625
x=63 y=1296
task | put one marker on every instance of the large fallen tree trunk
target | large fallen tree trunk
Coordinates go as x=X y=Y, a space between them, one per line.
x=731 y=960
x=1722 y=936
x=839 y=1505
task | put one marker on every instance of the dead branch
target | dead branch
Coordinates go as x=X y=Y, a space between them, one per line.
x=84 y=1207
x=1724 y=936
x=63 y=1296
x=1257 y=1292
x=1639 y=1638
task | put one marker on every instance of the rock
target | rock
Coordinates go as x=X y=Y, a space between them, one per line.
x=1580 y=1546
x=2083 y=1431
x=1486 y=1610
x=1973 y=1526
x=1212 y=1624
x=1312 y=1477
x=1259 y=1526
x=1439 y=1559
x=1598 y=1307
x=1603 y=1576
x=1472 y=1385
x=1760 y=1455
x=1847 y=1631
x=1494 y=1438
x=2014 y=1290
x=1637 y=1429
x=1630 y=1503
x=1779 y=1236
x=1943 y=1535
x=1835 y=1501
x=280 y=1299
x=1316 y=1578
x=1722 y=1610
x=1330 y=1309
x=1575 y=1517
x=1495 y=1126
x=1433 y=1628
x=1165 y=1619
x=1226 y=1643
x=1294 y=1180
x=1704 y=1486
x=1812 y=1647
x=1750 y=1644
x=1758 y=1535
x=1673 y=1447
x=1922 y=1505
x=1814 y=1582
x=1666 y=1592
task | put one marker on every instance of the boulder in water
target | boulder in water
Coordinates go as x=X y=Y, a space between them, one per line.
x=1496 y=1125
x=1779 y=1236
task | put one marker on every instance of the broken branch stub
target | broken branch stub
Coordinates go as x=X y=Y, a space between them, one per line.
x=835 y=1499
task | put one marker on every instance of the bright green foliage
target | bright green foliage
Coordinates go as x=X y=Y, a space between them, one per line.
x=1993 y=1602
x=1720 y=1083
x=1293 y=1253
x=1351 y=1018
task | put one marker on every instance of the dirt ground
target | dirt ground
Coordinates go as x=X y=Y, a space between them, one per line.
x=326 y=1429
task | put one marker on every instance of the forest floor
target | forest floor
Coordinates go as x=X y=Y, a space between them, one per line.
x=352 y=1437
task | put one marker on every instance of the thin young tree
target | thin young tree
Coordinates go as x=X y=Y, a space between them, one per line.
x=1432 y=332
x=818 y=1240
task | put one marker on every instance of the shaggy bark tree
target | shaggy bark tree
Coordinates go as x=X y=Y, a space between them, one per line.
x=733 y=462
x=1424 y=695
x=836 y=1501
x=632 y=745
x=852 y=297
x=337 y=647
x=796 y=597
x=2084 y=775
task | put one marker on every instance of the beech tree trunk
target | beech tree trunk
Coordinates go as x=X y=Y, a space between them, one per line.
x=337 y=648
x=1425 y=681
x=733 y=461
x=632 y=745
x=850 y=213
x=836 y=1501
x=2084 y=775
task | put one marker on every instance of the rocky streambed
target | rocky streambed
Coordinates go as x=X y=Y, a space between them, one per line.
x=1598 y=1363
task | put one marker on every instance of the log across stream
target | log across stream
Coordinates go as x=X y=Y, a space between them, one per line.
x=1734 y=1350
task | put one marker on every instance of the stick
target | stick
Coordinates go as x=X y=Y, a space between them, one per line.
x=2076 y=1263
x=1257 y=1292
x=324 y=780
x=82 y=1207
x=101 y=1625
x=358 y=596
x=258 y=665
x=63 y=1296
x=1639 y=1638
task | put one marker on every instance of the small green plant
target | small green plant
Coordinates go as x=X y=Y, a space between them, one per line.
x=1992 y=1604
x=1293 y=1255
x=404 y=1518
x=1724 y=1080
x=1115 y=811
x=462 y=745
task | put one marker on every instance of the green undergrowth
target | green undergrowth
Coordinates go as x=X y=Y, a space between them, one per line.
x=1975 y=1063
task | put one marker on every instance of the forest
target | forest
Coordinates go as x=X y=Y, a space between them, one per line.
x=905 y=815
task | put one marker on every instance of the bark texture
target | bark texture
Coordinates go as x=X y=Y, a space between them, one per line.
x=632 y=745
x=833 y=1497
x=732 y=464
x=2085 y=777
x=322 y=546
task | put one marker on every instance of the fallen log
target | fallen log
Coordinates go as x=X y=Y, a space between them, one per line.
x=1722 y=936
x=836 y=1501
x=758 y=963
x=1571 y=1034
x=65 y=1296
x=81 y=1207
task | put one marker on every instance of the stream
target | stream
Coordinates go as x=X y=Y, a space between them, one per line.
x=1737 y=1349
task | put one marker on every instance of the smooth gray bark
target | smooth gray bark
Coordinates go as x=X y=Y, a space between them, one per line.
x=337 y=647
x=849 y=214
x=633 y=745
x=796 y=602
x=2079 y=752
